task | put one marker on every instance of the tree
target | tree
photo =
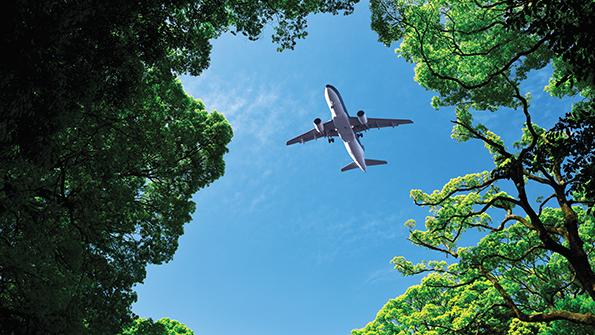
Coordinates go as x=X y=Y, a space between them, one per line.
x=101 y=149
x=61 y=56
x=163 y=326
x=77 y=235
x=532 y=269
x=505 y=269
x=566 y=27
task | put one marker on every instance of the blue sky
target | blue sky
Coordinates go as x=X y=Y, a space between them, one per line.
x=285 y=243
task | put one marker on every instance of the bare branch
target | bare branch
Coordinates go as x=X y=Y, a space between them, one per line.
x=544 y=203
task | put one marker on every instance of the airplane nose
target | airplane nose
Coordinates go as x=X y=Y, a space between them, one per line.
x=328 y=92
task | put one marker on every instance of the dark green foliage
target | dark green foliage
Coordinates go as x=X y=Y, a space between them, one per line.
x=78 y=234
x=101 y=149
x=568 y=27
x=62 y=56
x=572 y=142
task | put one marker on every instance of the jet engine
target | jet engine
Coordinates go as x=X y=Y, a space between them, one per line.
x=361 y=116
x=319 y=125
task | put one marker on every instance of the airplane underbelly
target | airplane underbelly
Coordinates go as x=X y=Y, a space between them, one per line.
x=343 y=127
x=349 y=149
x=355 y=152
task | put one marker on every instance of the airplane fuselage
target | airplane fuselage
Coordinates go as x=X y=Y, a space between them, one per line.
x=341 y=121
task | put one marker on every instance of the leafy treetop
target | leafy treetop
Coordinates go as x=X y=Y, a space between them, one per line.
x=163 y=326
x=532 y=270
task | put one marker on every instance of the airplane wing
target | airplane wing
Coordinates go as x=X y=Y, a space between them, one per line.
x=329 y=131
x=376 y=123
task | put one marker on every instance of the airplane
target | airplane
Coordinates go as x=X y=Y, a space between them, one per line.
x=349 y=129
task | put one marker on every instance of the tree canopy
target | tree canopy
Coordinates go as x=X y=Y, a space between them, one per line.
x=62 y=56
x=531 y=272
x=78 y=233
x=163 y=326
x=101 y=149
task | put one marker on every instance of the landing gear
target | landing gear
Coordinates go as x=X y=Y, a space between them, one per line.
x=331 y=140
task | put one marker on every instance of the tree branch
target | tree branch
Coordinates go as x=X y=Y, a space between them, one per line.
x=480 y=136
x=417 y=241
x=489 y=78
x=478 y=188
x=582 y=318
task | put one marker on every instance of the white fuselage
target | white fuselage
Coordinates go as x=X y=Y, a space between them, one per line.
x=343 y=126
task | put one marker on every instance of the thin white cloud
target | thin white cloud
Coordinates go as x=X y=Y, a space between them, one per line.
x=350 y=234
x=260 y=114
x=386 y=273
x=257 y=110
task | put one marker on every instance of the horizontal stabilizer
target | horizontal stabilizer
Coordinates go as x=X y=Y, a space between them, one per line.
x=349 y=167
x=370 y=162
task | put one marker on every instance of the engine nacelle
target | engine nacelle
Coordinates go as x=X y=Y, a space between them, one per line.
x=319 y=125
x=361 y=116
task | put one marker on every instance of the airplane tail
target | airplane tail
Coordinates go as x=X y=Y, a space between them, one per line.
x=369 y=162
x=349 y=166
